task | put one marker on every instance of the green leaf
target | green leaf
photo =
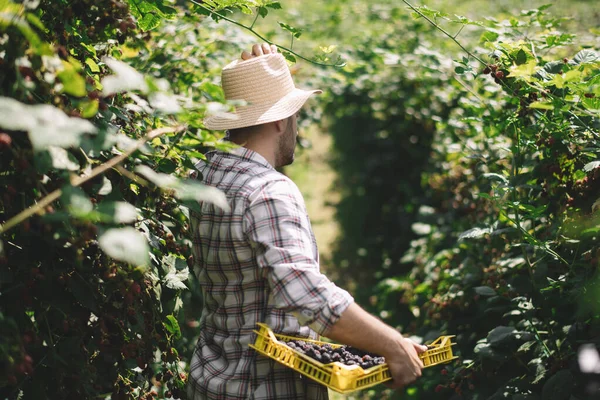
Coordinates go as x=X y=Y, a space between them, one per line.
x=521 y=57
x=500 y=334
x=73 y=83
x=262 y=11
x=541 y=105
x=47 y=125
x=559 y=386
x=585 y=56
x=485 y=291
x=77 y=201
x=275 y=5
x=149 y=22
x=295 y=32
x=89 y=108
x=525 y=347
x=538 y=365
x=289 y=56
x=485 y=351
x=125 y=244
x=459 y=70
x=488 y=36
x=172 y=326
x=92 y=65
x=579 y=174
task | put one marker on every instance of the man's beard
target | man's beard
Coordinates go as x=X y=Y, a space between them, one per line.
x=286 y=147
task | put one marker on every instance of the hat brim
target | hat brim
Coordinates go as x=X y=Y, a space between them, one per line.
x=256 y=114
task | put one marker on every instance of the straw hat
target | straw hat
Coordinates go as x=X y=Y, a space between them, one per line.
x=265 y=84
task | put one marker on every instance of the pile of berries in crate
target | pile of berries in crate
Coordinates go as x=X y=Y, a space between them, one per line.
x=344 y=354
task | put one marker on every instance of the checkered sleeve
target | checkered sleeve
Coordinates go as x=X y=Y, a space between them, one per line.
x=279 y=229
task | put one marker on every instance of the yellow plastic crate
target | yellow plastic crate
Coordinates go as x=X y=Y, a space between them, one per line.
x=337 y=376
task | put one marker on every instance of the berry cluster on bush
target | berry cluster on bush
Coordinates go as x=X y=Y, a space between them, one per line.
x=344 y=354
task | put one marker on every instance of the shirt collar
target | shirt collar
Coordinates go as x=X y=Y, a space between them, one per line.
x=246 y=155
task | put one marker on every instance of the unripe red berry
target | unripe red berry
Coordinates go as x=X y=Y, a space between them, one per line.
x=444 y=371
x=439 y=388
x=486 y=70
x=135 y=288
x=499 y=74
x=129 y=298
x=5 y=141
x=493 y=67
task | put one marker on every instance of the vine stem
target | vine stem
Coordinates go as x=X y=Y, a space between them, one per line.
x=77 y=181
x=453 y=38
x=261 y=37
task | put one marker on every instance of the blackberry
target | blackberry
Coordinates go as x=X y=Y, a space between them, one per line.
x=326 y=354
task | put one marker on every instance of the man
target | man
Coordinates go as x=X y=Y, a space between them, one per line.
x=258 y=261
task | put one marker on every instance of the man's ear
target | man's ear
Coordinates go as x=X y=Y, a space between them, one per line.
x=280 y=126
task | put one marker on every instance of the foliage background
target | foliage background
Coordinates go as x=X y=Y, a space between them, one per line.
x=464 y=205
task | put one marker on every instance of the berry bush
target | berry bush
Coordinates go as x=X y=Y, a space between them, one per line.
x=99 y=131
x=470 y=195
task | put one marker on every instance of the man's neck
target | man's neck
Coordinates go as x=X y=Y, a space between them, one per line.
x=261 y=147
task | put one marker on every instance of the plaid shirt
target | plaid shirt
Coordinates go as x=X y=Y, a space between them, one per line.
x=256 y=263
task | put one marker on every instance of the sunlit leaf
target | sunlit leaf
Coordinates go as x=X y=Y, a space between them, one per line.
x=175 y=277
x=474 y=233
x=591 y=166
x=47 y=125
x=125 y=244
x=118 y=212
x=172 y=326
x=185 y=189
x=62 y=159
x=125 y=79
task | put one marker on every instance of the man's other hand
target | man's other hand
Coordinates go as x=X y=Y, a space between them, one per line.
x=259 y=50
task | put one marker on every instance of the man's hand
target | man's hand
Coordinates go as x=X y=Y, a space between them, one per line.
x=404 y=363
x=359 y=329
x=259 y=50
